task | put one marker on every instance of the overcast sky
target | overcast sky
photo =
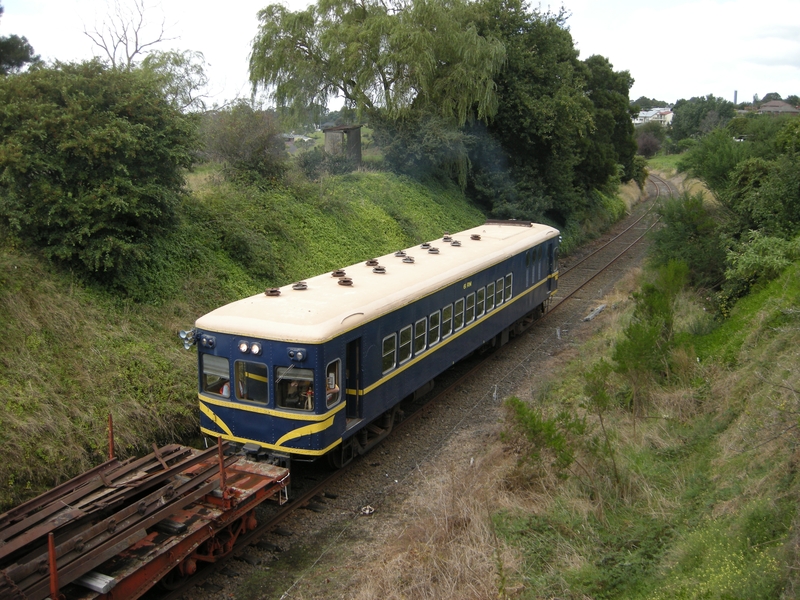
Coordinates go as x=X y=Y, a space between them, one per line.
x=677 y=49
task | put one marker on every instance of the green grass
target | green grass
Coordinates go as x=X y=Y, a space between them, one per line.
x=666 y=163
x=705 y=505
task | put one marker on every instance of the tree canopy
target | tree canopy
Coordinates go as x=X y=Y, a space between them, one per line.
x=387 y=56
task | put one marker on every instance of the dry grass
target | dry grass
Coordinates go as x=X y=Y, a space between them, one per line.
x=449 y=549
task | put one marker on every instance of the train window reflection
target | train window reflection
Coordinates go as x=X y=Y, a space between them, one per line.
x=447 y=320
x=480 y=307
x=294 y=388
x=389 y=352
x=405 y=345
x=251 y=381
x=489 y=297
x=458 y=316
x=498 y=293
x=433 y=328
x=470 y=316
x=419 y=335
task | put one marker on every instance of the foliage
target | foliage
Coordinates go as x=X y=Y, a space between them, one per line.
x=690 y=234
x=643 y=103
x=378 y=56
x=713 y=159
x=15 y=53
x=757 y=258
x=647 y=144
x=700 y=115
x=181 y=75
x=543 y=114
x=92 y=163
x=611 y=141
x=246 y=140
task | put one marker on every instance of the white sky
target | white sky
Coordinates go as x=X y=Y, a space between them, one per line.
x=673 y=50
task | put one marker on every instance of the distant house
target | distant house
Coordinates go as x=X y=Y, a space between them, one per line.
x=656 y=115
x=777 y=107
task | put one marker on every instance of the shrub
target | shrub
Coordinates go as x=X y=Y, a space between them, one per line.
x=91 y=163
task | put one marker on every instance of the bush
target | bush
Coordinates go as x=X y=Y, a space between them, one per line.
x=91 y=164
x=247 y=141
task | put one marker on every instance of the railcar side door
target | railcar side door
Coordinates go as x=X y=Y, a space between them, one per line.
x=352 y=375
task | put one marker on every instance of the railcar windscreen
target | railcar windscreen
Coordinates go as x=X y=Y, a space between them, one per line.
x=216 y=375
x=294 y=388
x=251 y=381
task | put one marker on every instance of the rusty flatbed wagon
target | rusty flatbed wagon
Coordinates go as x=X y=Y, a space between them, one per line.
x=122 y=527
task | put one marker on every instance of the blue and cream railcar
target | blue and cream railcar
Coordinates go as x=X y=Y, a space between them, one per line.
x=318 y=367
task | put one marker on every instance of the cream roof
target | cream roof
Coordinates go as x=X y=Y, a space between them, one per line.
x=325 y=309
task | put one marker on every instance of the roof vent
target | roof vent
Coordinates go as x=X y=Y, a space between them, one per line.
x=456 y=243
x=345 y=281
x=300 y=285
x=408 y=259
x=447 y=238
x=272 y=292
x=425 y=245
x=379 y=270
x=400 y=253
x=338 y=273
x=433 y=251
x=372 y=262
x=475 y=237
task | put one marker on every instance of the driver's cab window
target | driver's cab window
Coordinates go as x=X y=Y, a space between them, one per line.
x=216 y=375
x=332 y=389
x=251 y=381
x=294 y=388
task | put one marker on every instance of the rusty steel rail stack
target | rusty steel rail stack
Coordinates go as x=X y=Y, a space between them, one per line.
x=121 y=527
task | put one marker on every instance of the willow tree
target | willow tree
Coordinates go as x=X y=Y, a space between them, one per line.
x=383 y=58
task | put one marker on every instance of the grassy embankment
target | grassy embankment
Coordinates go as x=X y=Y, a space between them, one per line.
x=696 y=498
x=73 y=352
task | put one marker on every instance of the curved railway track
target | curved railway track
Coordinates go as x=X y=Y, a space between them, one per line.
x=581 y=283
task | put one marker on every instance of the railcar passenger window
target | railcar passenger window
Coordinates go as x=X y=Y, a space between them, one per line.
x=419 y=335
x=480 y=308
x=470 y=317
x=294 y=388
x=489 y=297
x=509 y=278
x=216 y=375
x=389 y=353
x=433 y=328
x=332 y=377
x=458 y=317
x=447 y=320
x=405 y=345
x=498 y=293
x=251 y=381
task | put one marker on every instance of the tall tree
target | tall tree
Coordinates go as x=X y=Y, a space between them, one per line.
x=182 y=77
x=543 y=112
x=384 y=57
x=15 y=53
x=611 y=141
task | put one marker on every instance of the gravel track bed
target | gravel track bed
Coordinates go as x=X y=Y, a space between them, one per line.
x=314 y=552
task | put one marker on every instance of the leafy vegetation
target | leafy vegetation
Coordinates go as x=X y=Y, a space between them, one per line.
x=92 y=165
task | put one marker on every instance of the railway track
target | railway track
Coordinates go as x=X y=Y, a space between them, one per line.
x=568 y=306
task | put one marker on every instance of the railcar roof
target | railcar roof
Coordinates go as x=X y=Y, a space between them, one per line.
x=325 y=309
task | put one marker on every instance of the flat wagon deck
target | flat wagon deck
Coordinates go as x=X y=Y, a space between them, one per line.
x=120 y=528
